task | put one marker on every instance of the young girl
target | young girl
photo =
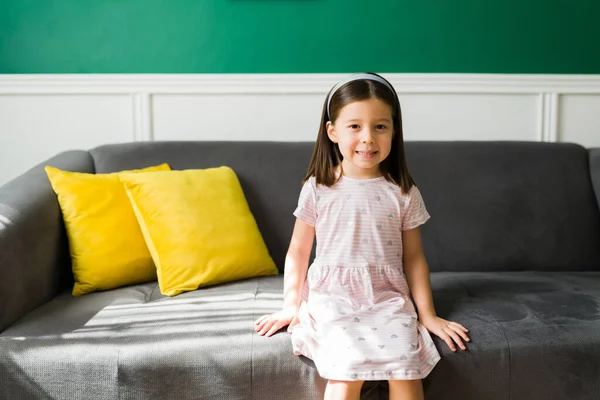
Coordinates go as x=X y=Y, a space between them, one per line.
x=353 y=313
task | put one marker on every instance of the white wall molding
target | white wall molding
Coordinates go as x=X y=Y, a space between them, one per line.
x=142 y=117
x=290 y=83
x=41 y=115
x=549 y=117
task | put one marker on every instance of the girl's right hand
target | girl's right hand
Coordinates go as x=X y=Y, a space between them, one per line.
x=271 y=323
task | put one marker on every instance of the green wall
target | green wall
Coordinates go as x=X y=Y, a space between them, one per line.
x=299 y=36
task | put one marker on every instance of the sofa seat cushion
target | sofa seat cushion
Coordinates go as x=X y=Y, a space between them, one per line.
x=533 y=335
x=135 y=343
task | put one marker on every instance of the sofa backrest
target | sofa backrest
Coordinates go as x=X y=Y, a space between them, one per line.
x=270 y=175
x=512 y=206
x=495 y=206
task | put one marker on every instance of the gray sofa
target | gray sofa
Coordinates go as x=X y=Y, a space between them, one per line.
x=513 y=245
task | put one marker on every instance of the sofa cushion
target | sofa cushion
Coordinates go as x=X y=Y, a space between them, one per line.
x=106 y=245
x=198 y=228
x=135 y=342
x=534 y=334
x=500 y=206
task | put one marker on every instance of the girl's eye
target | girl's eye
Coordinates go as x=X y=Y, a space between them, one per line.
x=378 y=127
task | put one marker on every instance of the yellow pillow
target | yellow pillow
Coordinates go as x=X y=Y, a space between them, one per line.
x=198 y=228
x=106 y=244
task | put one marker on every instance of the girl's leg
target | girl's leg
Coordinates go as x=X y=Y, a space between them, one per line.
x=406 y=390
x=343 y=390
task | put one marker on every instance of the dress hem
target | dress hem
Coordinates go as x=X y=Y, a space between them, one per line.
x=400 y=374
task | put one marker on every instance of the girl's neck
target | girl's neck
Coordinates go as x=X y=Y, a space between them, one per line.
x=360 y=174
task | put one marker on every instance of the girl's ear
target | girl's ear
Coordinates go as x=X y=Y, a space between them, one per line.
x=331 y=131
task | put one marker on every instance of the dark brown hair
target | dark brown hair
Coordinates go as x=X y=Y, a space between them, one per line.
x=326 y=154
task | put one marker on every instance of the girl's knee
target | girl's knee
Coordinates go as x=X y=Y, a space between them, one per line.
x=343 y=389
x=405 y=383
x=346 y=383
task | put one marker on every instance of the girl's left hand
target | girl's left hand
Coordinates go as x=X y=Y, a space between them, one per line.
x=447 y=330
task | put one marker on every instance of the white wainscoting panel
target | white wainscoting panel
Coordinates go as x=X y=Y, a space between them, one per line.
x=430 y=116
x=35 y=127
x=41 y=115
x=279 y=117
x=579 y=119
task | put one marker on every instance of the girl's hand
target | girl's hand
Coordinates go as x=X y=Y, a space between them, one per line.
x=447 y=330
x=271 y=323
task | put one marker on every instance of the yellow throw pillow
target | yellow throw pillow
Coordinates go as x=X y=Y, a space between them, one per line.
x=198 y=228
x=106 y=243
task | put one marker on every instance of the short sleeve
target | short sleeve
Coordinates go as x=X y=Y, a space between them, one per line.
x=415 y=213
x=307 y=203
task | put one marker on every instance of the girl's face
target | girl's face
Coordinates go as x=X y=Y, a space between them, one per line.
x=363 y=132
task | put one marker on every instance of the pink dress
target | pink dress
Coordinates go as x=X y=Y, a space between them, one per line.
x=357 y=320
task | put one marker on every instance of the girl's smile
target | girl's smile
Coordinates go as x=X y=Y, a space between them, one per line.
x=366 y=154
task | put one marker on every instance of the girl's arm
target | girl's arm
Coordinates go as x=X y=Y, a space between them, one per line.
x=417 y=275
x=417 y=272
x=296 y=265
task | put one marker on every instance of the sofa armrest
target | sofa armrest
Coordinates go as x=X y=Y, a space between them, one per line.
x=34 y=255
x=595 y=171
